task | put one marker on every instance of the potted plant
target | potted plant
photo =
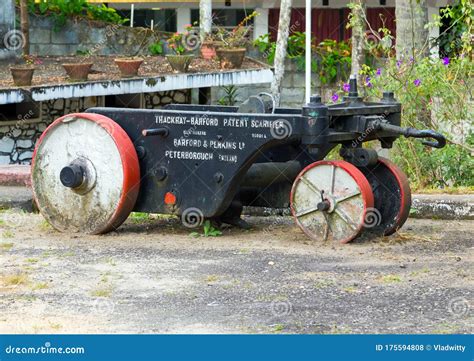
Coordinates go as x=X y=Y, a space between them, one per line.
x=209 y=47
x=23 y=74
x=129 y=66
x=234 y=44
x=79 y=71
x=179 y=60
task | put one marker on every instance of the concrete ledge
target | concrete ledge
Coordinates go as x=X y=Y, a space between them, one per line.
x=15 y=192
x=16 y=197
x=15 y=175
x=443 y=206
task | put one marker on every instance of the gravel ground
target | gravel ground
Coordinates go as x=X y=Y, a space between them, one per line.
x=50 y=71
x=152 y=276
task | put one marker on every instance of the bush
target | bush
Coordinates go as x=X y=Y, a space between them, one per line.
x=61 y=10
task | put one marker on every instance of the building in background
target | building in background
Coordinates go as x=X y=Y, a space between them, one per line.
x=329 y=16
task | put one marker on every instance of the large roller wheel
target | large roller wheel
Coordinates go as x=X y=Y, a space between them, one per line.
x=392 y=196
x=85 y=174
x=330 y=201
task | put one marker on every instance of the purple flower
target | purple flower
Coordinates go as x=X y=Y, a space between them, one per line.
x=379 y=71
x=446 y=61
x=417 y=82
x=335 y=97
x=367 y=82
x=346 y=87
x=399 y=62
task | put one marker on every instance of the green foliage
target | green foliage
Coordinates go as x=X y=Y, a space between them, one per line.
x=331 y=59
x=434 y=93
x=61 y=10
x=334 y=61
x=156 y=48
x=208 y=231
x=238 y=36
x=230 y=97
x=457 y=38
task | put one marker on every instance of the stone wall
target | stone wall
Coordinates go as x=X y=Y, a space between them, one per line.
x=18 y=138
x=292 y=93
x=92 y=36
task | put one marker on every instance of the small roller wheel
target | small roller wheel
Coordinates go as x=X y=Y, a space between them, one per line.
x=330 y=201
x=85 y=174
x=392 y=197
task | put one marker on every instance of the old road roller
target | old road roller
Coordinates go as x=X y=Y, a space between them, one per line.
x=90 y=170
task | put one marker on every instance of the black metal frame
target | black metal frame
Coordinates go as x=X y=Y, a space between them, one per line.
x=217 y=158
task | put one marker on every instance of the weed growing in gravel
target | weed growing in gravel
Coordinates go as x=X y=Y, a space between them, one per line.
x=391 y=279
x=102 y=292
x=6 y=246
x=40 y=286
x=14 y=280
x=8 y=234
x=208 y=231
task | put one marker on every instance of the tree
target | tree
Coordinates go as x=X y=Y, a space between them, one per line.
x=412 y=36
x=205 y=18
x=281 y=48
x=357 y=23
x=25 y=25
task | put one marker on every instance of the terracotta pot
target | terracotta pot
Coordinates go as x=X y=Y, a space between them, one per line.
x=129 y=66
x=22 y=76
x=208 y=50
x=231 y=58
x=180 y=62
x=78 y=71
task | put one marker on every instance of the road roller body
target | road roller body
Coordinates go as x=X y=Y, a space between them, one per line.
x=90 y=170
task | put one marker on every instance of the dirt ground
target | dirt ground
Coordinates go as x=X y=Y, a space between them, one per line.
x=152 y=276
x=49 y=70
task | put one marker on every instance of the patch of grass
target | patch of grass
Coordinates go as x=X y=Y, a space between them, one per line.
x=40 y=286
x=208 y=231
x=350 y=289
x=278 y=328
x=45 y=226
x=445 y=328
x=15 y=279
x=340 y=330
x=32 y=260
x=6 y=246
x=212 y=278
x=138 y=217
x=8 y=234
x=102 y=292
x=323 y=284
x=419 y=272
x=390 y=279
x=55 y=326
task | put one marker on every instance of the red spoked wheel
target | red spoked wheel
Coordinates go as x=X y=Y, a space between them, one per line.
x=330 y=201
x=392 y=197
x=85 y=174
